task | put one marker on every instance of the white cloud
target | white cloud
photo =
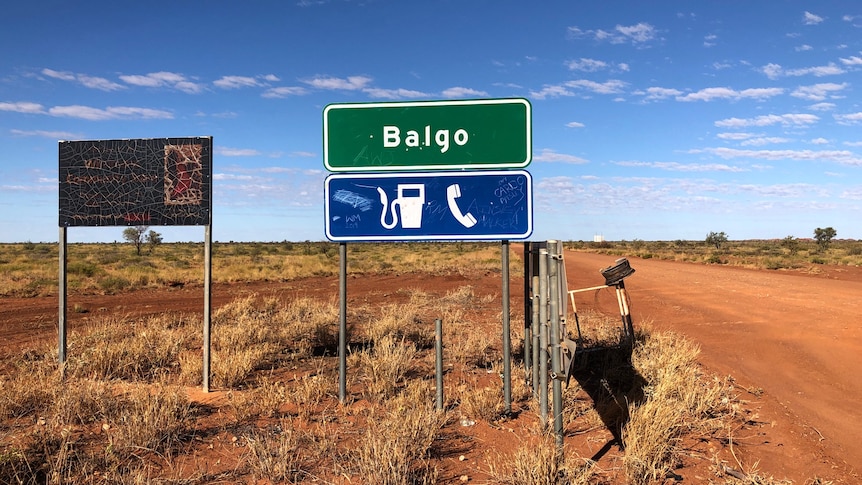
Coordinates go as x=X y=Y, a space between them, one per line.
x=735 y=136
x=809 y=18
x=394 y=93
x=188 y=87
x=284 y=91
x=548 y=155
x=351 y=83
x=611 y=86
x=56 y=135
x=822 y=107
x=237 y=152
x=854 y=193
x=641 y=32
x=235 y=82
x=790 y=119
x=154 y=79
x=109 y=113
x=849 y=119
x=29 y=188
x=818 y=92
x=709 y=40
x=163 y=79
x=709 y=94
x=303 y=154
x=87 y=112
x=818 y=71
x=784 y=190
x=92 y=82
x=636 y=34
x=820 y=141
x=63 y=75
x=588 y=65
x=772 y=71
x=764 y=140
x=803 y=48
x=684 y=167
x=461 y=92
x=99 y=83
x=658 y=93
x=575 y=124
x=851 y=61
x=551 y=91
x=23 y=107
x=231 y=176
x=839 y=156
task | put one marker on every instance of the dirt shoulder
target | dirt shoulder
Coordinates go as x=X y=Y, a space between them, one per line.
x=796 y=337
x=791 y=341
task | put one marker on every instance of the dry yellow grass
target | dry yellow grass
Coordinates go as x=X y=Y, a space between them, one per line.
x=29 y=269
x=539 y=462
x=122 y=413
x=763 y=254
x=395 y=449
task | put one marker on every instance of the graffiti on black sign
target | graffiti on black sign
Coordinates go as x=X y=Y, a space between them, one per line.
x=163 y=181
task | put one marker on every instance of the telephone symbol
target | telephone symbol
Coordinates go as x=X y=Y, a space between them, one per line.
x=454 y=192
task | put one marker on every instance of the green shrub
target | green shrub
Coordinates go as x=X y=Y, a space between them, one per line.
x=714 y=259
x=114 y=283
x=83 y=268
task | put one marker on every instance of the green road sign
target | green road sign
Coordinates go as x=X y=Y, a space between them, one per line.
x=427 y=135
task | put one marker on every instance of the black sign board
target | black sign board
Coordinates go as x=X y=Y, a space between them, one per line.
x=157 y=181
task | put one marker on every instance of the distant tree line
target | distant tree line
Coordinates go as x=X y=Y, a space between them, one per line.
x=823 y=236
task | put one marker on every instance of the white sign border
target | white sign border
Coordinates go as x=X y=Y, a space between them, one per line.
x=445 y=237
x=418 y=104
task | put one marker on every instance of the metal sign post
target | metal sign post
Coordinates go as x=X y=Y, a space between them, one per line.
x=136 y=182
x=61 y=325
x=554 y=260
x=543 y=335
x=528 y=310
x=208 y=271
x=342 y=322
x=406 y=204
x=507 y=334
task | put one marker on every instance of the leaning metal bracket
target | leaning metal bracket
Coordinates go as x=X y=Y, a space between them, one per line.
x=614 y=276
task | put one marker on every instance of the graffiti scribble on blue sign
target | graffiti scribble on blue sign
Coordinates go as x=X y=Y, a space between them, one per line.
x=357 y=201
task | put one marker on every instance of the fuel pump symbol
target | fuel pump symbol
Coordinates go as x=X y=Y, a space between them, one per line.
x=410 y=200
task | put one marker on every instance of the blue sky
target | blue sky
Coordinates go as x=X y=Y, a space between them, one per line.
x=651 y=120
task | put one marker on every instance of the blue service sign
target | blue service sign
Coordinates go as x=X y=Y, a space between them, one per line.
x=478 y=205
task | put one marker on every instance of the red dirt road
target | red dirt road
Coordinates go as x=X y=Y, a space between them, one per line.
x=797 y=337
